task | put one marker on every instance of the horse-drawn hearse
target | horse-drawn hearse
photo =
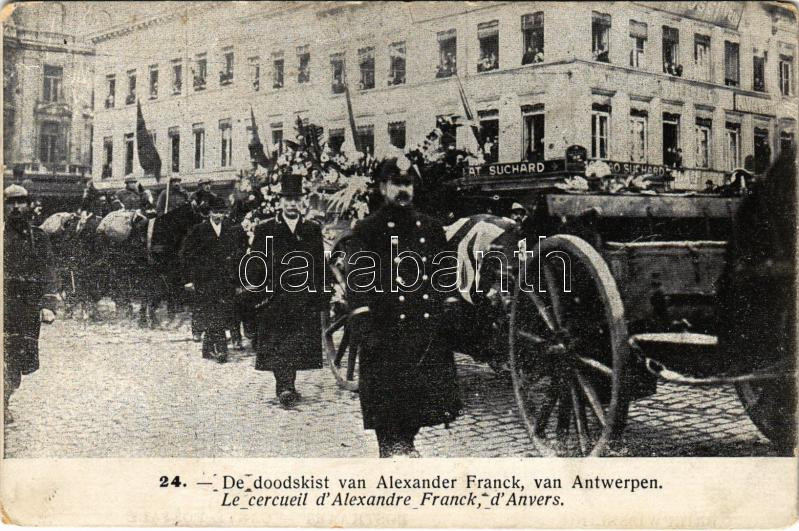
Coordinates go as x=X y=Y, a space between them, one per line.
x=617 y=292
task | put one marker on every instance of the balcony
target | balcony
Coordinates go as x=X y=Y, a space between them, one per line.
x=226 y=77
x=199 y=83
x=130 y=99
x=109 y=102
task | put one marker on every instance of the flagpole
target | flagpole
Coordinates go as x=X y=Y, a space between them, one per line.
x=168 y=186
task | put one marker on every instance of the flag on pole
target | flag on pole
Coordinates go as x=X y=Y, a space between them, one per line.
x=473 y=140
x=353 y=129
x=256 y=148
x=148 y=156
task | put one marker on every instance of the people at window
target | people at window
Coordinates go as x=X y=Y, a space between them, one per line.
x=532 y=55
x=448 y=65
x=487 y=62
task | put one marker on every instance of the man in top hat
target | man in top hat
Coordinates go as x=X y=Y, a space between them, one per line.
x=130 y=197
x=177 y=197
x=407 y=376
x=210 y=255
x=288 y=328
x=27 y=281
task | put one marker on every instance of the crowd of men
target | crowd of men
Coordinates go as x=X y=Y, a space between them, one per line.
x=407 y=376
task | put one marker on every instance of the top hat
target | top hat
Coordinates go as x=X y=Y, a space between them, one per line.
x=291 y=185
x=216 y=203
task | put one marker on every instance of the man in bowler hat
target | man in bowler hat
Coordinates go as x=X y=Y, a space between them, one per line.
x=211 y=254
x=288 y=330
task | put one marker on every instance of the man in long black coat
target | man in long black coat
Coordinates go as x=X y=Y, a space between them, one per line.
x=407 y=376
x=211 y=253
x=289 y=328
x=27 y=279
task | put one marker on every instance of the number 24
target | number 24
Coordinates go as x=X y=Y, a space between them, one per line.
x=175 y=481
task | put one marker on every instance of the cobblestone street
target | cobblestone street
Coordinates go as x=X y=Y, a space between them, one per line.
x=114 y=390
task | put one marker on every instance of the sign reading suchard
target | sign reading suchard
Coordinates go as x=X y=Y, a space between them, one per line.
x=632 y=168
x=516 y=169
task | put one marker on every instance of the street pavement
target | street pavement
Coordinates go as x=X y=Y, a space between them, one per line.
x=112 y=389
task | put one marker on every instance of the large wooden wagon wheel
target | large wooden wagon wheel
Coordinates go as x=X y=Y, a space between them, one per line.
x=341 y=355
x=771 y=404
x=568 y=349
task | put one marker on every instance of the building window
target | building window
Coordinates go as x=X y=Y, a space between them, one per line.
x=488 y=35
x=396 y=69
x=153 y=82
x=200 y=71
x=53 y=81
x=533 y=132
x=335 y=138
x=731 y=64
x=111 y=91
x=671 y=51
x=786 y=141
x=366 y=139
x=786 y=75
x=108 y=158
x=226 y=74
x=533 y=37
x=174 y=148
x=638 y=36
x=128 y=153
x=762 y=150
x=277 y=70
x=702 y=56
x=337 y=68
x=600 y=136
x=489 y=135
x=277 y=136
x=759 y=72
x=447 y=54
x=366 y=65
x=638 y=140
x=177 y=76
x=732 y=145
x=672 y=153
x=226 y=139
x=131 y=97
x=303 y=64
x=255 y=72
x=600 y=36
x=396 y=134
x=704 y=144
x=199 y=146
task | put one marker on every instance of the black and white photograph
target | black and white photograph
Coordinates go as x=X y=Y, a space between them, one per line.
x=399 y=229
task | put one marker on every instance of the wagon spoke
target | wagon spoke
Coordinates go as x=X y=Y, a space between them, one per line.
x=543 y=310
x=530 y=337
x=580 y=420
x=593 y=399
x=555 y=296
x=564 y=413
x=351 y=360
x=342 y=348
x=541 y=420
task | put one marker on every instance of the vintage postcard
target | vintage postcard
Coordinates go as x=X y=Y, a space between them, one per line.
x=400 y=264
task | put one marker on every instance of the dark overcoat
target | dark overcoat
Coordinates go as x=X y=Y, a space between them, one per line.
x=289 y=327
x=407 y=372
x=211 y=263
x=27 y=277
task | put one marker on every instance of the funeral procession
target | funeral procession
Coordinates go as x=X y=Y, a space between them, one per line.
x=393 y=229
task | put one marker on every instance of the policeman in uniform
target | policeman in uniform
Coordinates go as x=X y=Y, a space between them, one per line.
x=177 y=197
x=289 y=329
x=129 y=198
x=407 y=376
x=29 y=285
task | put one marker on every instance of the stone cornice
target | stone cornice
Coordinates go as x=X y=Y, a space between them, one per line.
x=123 y=29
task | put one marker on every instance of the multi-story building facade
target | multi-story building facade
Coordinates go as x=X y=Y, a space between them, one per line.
x=710 y=86
x=47 y=99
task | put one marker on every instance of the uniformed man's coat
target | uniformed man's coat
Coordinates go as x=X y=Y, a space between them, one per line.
x=27 y=277
x=177 y=197
x=289 y=329
x=211 y=263
x=129 y=199
x=407 y=372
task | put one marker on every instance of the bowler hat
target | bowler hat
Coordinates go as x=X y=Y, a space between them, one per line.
x=216 y=203
x=291 y=185
x=16 y=191
x=130 y=179
x=394 y=168
x=204 y=181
